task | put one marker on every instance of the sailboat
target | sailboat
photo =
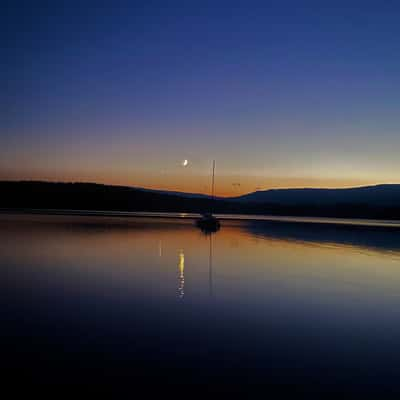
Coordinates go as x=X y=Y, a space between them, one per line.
x=207 y=222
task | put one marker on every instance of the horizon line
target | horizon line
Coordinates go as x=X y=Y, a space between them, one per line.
x=193 y=193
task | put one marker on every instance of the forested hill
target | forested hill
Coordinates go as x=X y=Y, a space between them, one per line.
x=91 y=196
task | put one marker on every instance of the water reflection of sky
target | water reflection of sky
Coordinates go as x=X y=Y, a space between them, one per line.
x=249 y=257
x=248 y=282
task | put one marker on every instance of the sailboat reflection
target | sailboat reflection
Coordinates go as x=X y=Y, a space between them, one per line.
x=210 y=269
x=181 y=276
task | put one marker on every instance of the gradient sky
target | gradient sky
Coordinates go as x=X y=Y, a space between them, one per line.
x=280 y=93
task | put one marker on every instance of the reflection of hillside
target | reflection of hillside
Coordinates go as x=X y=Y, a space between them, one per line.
x=92 y=224
x=373 y=237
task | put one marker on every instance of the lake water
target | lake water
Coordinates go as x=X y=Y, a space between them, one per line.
x=155 y=302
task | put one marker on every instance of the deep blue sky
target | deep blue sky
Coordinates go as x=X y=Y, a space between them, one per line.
x=288 y=93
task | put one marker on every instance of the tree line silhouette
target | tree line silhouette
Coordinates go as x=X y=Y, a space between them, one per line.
x=91 y=196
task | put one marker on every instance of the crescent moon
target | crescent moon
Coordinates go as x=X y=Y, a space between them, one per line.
x=185 y=163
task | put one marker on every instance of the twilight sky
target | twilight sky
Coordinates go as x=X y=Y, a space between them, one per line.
x=281 y=93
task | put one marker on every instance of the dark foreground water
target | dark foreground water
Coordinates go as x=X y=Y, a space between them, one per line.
x=146 y=304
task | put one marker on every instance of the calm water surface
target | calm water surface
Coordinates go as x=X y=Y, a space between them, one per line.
x=155 y=301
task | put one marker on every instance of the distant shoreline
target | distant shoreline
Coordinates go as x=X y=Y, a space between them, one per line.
x=380 y=202
x=192 y=216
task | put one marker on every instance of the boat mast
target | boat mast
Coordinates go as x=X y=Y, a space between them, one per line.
x=213 y=175
x=212 y=188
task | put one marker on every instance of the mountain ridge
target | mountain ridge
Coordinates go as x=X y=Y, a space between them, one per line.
x=380 y=194
x=375 y=202
x=256 y=196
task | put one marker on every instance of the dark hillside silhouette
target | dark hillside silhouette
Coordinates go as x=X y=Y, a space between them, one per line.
x=378 y=195
x=90 y=196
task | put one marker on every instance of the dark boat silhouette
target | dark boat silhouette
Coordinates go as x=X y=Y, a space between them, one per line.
x=207 y=222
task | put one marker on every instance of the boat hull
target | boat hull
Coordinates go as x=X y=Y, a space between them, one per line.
x=208 y=224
